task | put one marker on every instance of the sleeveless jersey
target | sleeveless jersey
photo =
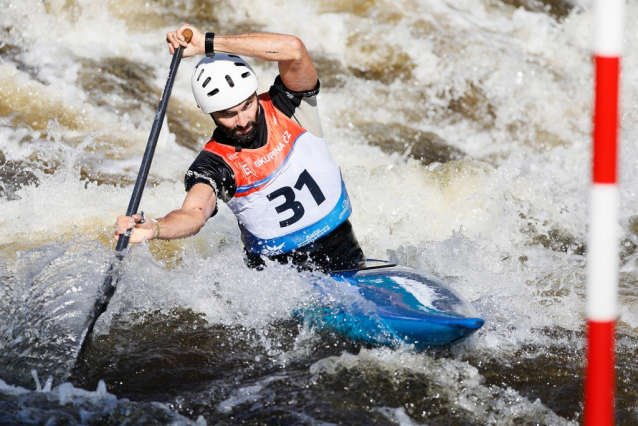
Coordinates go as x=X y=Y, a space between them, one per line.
x=289 y=192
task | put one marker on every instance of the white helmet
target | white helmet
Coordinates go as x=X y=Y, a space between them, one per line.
x=222 y=82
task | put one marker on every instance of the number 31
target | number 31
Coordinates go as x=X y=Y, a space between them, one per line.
x=289 y=195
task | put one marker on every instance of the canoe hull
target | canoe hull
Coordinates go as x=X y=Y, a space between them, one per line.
x=390 y=305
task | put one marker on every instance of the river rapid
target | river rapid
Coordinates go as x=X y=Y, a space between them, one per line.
x=462 y=129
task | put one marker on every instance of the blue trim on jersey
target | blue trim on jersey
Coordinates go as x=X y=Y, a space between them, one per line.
x=302 y=237
x=271 y=176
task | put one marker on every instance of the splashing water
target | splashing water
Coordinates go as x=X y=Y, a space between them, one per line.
x=462 y=130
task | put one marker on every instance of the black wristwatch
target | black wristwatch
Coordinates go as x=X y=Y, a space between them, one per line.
x=209 y=44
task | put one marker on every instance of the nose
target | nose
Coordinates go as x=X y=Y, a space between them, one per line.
x=242 y=119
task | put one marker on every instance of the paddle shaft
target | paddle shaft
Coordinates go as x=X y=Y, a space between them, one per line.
x=108 y=287
x=134 y=204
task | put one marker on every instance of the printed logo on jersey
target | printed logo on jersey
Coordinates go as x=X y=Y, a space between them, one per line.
x=232 y=157
x=272 y=154
x=345 y=207
x=247 y=171
x=314 y=236
x=273 y=250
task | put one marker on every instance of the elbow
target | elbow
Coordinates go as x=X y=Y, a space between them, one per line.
x=202 y=218
x=297 y=48
x=196 y=218
x=197 y=227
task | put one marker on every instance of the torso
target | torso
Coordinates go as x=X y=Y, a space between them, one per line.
x=289 y=192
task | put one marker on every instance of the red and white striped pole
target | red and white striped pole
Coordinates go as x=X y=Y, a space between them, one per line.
x=602 y=247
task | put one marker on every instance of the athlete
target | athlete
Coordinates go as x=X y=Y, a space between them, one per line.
x=267 y=158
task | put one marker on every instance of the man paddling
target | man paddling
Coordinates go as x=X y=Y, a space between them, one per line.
x=267 y=158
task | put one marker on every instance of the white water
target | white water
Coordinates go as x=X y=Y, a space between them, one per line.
x=510 y=88
x=453 y=381
x=95 y=404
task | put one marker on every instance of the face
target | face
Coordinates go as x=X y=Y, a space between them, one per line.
x=239 y=123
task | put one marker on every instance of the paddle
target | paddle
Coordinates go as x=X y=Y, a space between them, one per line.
x=110 y=282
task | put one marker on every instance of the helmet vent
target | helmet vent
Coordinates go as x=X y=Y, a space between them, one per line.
x=200 y=74
x=240 y=64
x=213 y=92
x=230 y=81
x=246 y=74
x=206 y=82
x=234 y=56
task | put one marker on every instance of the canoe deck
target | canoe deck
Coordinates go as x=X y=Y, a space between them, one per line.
x=390 y=305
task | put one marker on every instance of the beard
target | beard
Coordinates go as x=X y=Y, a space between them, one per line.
x=236 y=136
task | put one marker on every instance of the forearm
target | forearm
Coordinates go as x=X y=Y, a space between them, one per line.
x=295 y=66
x=179 y=224
x=198 y=207
x=297 y=71
x=263 y=46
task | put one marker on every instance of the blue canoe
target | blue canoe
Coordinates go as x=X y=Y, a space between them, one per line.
x=383 y=303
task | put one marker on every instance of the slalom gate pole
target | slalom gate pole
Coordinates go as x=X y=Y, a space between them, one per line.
x=603 y=244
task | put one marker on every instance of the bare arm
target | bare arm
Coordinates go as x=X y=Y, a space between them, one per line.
x=196 y=210
x=297 y=71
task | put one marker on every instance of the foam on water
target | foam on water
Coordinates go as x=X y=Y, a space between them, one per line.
x=410 y=203
x=44 y=406
x=448 y=380
x=220 y=287
x=499 y=210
